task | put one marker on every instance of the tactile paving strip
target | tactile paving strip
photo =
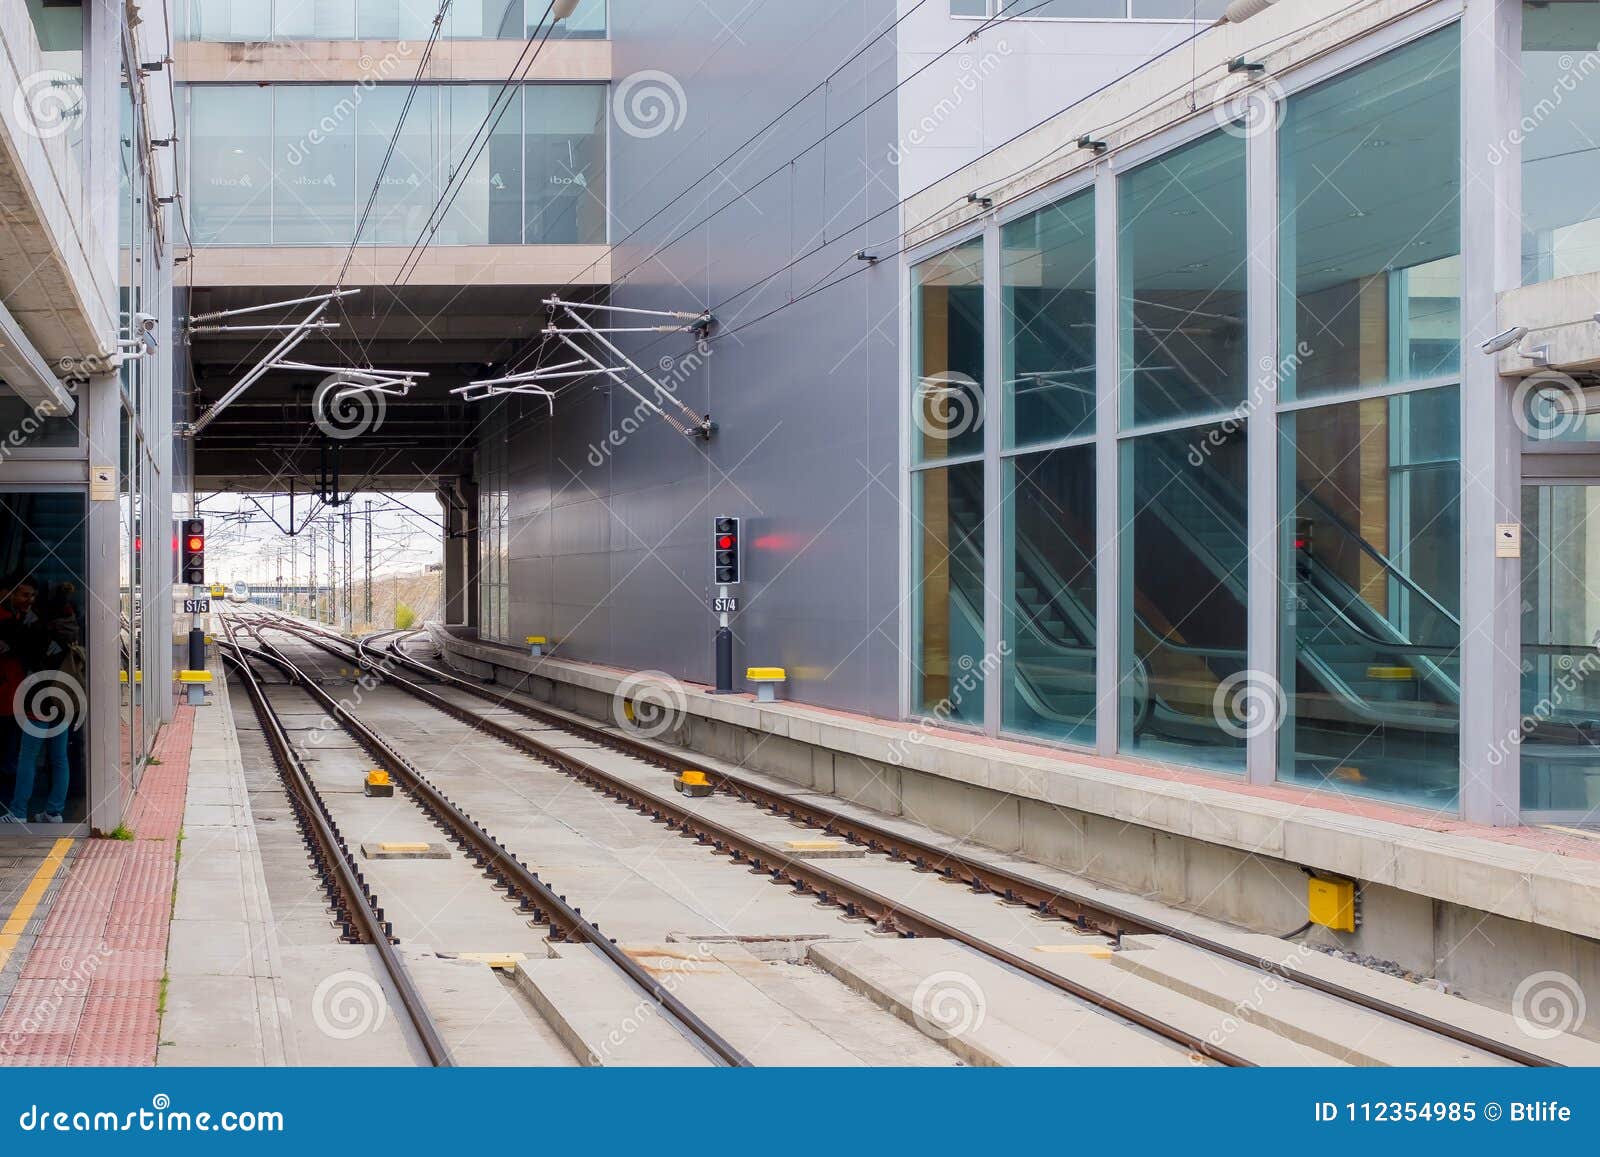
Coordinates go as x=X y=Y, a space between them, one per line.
x=90 y=989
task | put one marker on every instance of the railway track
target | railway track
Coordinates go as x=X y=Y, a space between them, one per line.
x=353 y=903
x=536 y=897
x=806 y=877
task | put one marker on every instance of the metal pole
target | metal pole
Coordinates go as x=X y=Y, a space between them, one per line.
x=349 y=570
x=724 y=649
x=367 y=599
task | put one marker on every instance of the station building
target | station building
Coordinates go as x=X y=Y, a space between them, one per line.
x=1189 y=387
x=89 y=339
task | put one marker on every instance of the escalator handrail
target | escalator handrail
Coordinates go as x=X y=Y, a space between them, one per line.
x=1383 y=560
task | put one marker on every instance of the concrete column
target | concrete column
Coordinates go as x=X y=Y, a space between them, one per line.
x=108 y=785
x=1491 y=202
x=1108 y=411
x=1265 y=597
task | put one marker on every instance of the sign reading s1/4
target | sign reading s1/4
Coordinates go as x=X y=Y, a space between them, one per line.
x=197 y=606
x=725 y=604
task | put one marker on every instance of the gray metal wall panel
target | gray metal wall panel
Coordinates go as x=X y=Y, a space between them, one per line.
x=617 y=565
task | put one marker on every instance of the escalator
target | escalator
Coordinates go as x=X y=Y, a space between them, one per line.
x=1360 y=676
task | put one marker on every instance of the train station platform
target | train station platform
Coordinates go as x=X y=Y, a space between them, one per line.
x=1479 y=908
x=83 y=946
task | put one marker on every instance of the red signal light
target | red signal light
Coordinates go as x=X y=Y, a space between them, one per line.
x=196 y=542
x=725 y=542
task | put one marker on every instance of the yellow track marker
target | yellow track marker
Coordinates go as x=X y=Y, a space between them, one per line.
x=1098 y=951
x=11 y=930
x=504 y=961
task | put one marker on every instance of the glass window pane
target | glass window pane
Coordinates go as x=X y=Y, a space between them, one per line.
x=1184 y=551
x=27 y=424
x=1560 y=623
x=230 y=20
x=947 y=354
x=947 y=649
x=1183 y=264
x=1050 y=623
x=969 y=7
x=1369 y=165
x=1066 y=9
x=487 y=20
x=400 y=211
x=1179 y=9
x=314 y=190
x=565 y=139
x=230 y=164
x=1047 y=278
x=1371 y=557
x=488 y=206
x=313 y=19
x=395 y=19
x=1560 y=141
x=587 y=22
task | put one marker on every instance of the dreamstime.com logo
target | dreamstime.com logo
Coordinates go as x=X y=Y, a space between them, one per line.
x=1248 y=704
x=160 y=1117
x=343 y=414
x=949 y=1004
x=347 y=1005
x=1246 y=105
x=1548 y=1004
x=47 y=703
x=648 y=103
x=649 y=703
x=949 y=404
x=48 y=103
x=1549 y=405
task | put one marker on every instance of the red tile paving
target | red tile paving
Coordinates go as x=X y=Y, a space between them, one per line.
x=90 y=988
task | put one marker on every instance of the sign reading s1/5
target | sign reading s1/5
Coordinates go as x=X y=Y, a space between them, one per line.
x=725 y=603
x=197 y=606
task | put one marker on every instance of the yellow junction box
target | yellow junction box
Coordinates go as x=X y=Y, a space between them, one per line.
x=765 y=674
x=1331 y=903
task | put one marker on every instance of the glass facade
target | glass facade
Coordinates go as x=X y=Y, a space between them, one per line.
x=1047 y=275
x=1049 y=684
x=1352 y=681
x=1559 y=131
x=948 y=652
x=1560 y=662
x=948 y=396
x=1370 y=272
x=1181 y=245
x=294 y=164
x=406 y=20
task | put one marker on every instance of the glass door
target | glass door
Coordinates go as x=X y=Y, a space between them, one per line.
x=1560 y=724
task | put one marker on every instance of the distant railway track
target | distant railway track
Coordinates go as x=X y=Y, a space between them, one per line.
x=536 y=896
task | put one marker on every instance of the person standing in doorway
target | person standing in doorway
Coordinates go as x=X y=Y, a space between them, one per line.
x=21 y=644
x=48 y=715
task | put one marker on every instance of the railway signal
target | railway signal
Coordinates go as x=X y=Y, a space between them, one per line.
x=192 y=552
x=726 y=554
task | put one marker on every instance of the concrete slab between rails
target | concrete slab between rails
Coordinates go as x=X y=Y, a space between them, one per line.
x=1480 y=909
x=983 y=1012
x=227 y=1000
x=601 y=1018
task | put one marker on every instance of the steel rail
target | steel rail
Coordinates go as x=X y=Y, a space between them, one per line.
x=802 y=875
x=566 y=921
x=1086 y=912
x=331 y=853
